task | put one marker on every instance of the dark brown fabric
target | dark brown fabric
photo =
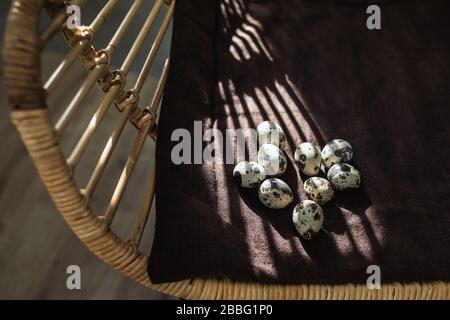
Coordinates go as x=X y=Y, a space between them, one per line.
x=313 y=67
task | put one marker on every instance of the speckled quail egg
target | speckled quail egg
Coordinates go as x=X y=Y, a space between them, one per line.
x=307 y=218
x=336 y=151
x=344 y=176
x=272 y=159
x=309 y=157
x=249 y=174
x=271 y=133
x=318 y=189
x=275 y=193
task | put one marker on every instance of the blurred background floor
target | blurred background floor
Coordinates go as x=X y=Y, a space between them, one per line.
x=36 y=246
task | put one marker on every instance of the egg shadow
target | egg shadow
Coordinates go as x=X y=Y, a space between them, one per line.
x=334 y=221
x=279 y=219
x=323 y=249
x=354 y=200
x=315 y=248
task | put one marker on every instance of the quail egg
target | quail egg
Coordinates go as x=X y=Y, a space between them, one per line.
x=271 y=133
x=318 y=189
x=309 y=157
x=308 y=218
x=344 y=176
x=336 y=151
x=249 y=174
x=275 y=193
x=272 y=160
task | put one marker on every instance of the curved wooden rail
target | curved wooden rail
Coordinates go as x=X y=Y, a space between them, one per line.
x=27 y=97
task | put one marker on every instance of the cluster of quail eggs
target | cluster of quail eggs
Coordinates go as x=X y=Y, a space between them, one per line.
x=271 y=164
x=274 y=193
x=333 y=159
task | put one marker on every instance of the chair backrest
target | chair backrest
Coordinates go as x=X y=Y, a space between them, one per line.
x=28 y=97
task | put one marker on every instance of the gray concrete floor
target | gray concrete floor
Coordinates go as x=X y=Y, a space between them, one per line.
x=36 y=246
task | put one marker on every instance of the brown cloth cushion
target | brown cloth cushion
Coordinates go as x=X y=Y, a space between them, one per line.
x=315 y=68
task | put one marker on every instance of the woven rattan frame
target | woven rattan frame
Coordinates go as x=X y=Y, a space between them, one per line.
x=27 y=98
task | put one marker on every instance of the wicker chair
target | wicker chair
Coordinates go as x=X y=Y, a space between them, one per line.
x=24 y=43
